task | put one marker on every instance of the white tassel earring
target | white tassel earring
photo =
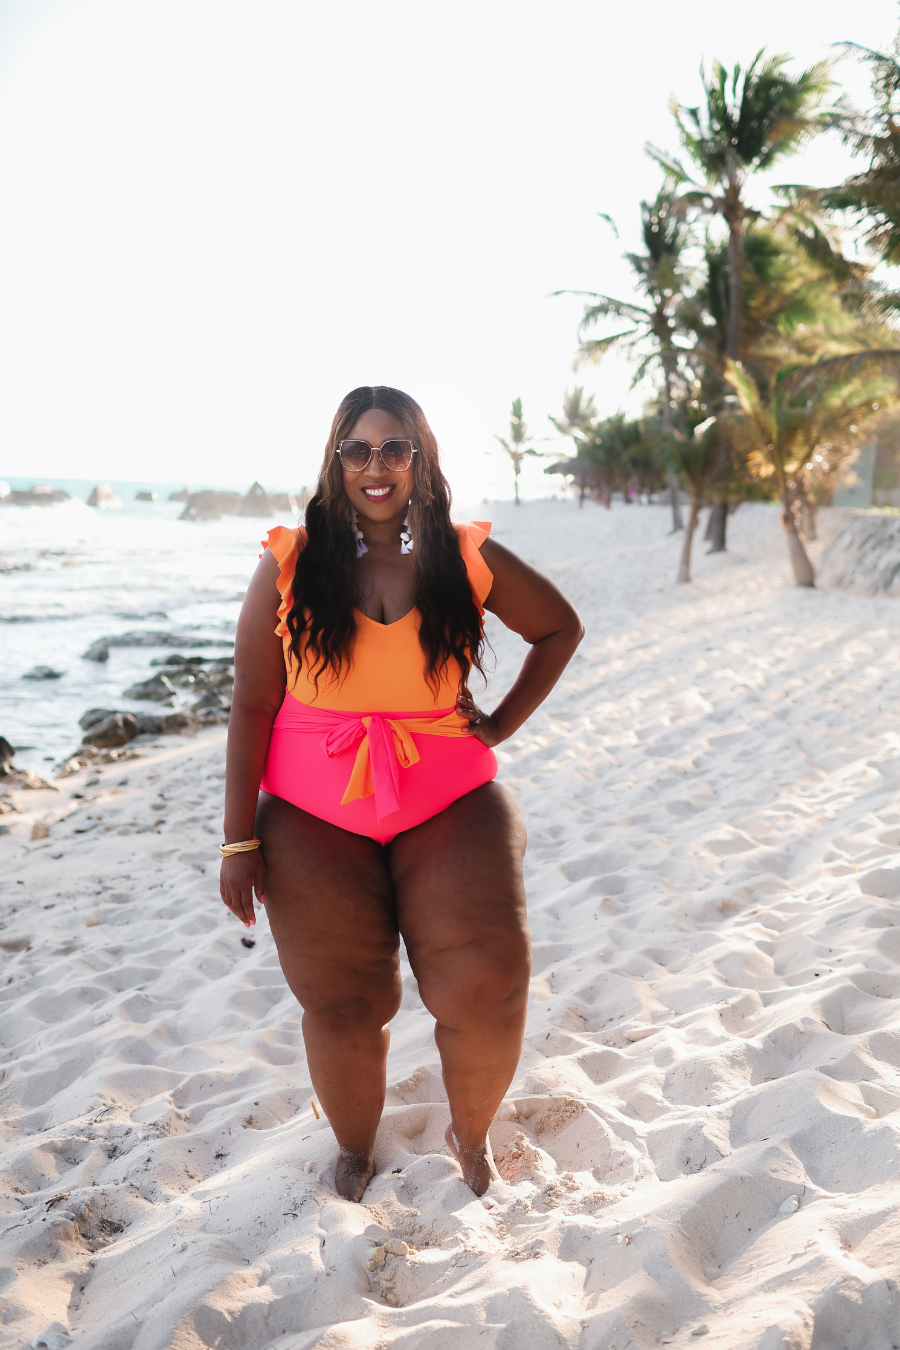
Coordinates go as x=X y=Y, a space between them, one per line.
x=406 y=540
x=361 y=546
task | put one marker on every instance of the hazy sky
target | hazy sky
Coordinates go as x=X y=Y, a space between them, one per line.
x=220 y=215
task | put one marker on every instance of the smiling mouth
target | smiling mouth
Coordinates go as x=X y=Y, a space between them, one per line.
x=378 y=494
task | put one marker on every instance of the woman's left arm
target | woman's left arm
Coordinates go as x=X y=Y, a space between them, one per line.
x=533 y=607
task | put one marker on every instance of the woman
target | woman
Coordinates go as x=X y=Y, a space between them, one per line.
x=379 y=816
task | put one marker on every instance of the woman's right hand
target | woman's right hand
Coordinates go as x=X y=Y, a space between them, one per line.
x=241 y=874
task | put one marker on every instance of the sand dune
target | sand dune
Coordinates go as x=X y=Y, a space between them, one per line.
x=703 y=1142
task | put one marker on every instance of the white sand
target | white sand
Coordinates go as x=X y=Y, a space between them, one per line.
x=702 y=1140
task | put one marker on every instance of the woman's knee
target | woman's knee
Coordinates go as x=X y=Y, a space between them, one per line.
x=487 y=980
x=351 y=1000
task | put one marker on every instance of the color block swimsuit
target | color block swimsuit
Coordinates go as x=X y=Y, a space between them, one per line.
x=381 y=751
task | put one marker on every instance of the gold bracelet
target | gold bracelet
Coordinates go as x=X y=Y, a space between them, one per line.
x=247 y=846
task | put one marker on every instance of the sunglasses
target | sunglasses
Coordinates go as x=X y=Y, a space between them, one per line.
x=396 y=454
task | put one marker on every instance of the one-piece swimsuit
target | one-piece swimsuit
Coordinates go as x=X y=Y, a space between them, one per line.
x=378 y=749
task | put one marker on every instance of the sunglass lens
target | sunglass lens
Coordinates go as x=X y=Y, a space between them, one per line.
x=396 y=455
x=355 y=454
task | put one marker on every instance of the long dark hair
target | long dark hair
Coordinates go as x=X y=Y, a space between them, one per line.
x=325 y=587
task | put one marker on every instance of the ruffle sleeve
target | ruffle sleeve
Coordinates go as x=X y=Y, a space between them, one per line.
x=471 y=537
x=285 y=546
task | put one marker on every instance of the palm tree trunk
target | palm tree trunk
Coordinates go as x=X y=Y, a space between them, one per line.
x=668 y=364
x=677 y=522
x=804 y=575
x=517 y=484
x=684 y=566
x=718 y=516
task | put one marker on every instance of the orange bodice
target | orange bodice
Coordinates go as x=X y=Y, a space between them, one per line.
x=386 y=671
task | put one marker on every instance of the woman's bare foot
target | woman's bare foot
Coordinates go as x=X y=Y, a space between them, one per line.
x=353 y=1174
x=477 y=1163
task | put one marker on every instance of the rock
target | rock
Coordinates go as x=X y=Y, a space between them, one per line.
x=43 y=673
x=181 y=496
x=113 y=731
x=210 y=699
x=256 y=502
x=7 y=754
x=173 y=723
x=148 y=724
x=39 y=831
x=146 y=497
x=105 y=498
x=99 y=650
x=5 y=829
x=177 y=660
x=211 y=505
x=93 y=716
x=158 y=688
x=39 y=495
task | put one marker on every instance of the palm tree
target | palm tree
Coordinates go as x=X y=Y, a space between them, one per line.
x=651 y=329
x=751 y=120
x=696 y=457
x=806 y=423
x=518 y=446
x=872 y=197
x=579 y=414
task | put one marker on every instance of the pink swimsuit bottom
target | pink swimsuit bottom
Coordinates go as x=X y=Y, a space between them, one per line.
x=375 y=774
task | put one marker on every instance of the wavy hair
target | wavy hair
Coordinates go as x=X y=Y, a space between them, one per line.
x=326 y=578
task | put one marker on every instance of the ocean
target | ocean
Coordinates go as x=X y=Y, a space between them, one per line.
x=70 y=574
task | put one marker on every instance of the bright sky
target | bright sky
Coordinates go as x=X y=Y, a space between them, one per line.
x=220 y=215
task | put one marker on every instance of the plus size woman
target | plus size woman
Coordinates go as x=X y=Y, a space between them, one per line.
x=378 y=815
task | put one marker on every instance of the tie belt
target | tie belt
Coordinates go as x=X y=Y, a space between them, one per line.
x=385 y=745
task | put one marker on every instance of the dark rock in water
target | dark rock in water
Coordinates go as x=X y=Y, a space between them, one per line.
x=211 y=699
x=176 y=660
x=146 y=497
x=40 y=495
x=43 y=673
x=99 y=650
x=157 y=688
x=148 y=724
x=93 y=716
x=211 y=505
x=112 y=731
x=181 y=496
x=7 y=754
x=256 y=502
x=175 y=722
x=105 y=498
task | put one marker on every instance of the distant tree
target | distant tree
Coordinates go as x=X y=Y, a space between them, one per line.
x=578 y=416
x=872 y=196
x=650 y=330
x=805 y=425
x=519 y=446
x=751 y=119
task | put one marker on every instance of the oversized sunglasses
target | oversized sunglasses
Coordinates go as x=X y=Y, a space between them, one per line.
x=396 y=454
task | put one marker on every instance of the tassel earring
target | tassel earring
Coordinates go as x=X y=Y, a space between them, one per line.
x=406 y=540
x=361 y=546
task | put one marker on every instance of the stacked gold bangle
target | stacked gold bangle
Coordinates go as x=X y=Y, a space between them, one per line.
x=246 y=846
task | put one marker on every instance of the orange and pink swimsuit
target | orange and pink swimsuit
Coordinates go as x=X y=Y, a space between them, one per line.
x=378 y=750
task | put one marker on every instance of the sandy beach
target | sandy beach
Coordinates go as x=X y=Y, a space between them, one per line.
x=702 y=1143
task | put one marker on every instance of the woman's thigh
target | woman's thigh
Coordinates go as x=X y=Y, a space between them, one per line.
x=460 y=896
x=329 y=898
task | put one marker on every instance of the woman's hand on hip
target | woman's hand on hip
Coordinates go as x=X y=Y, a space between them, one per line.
x=241 y=874
x=484 y=726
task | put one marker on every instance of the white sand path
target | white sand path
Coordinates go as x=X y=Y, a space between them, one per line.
x=703 y=1142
